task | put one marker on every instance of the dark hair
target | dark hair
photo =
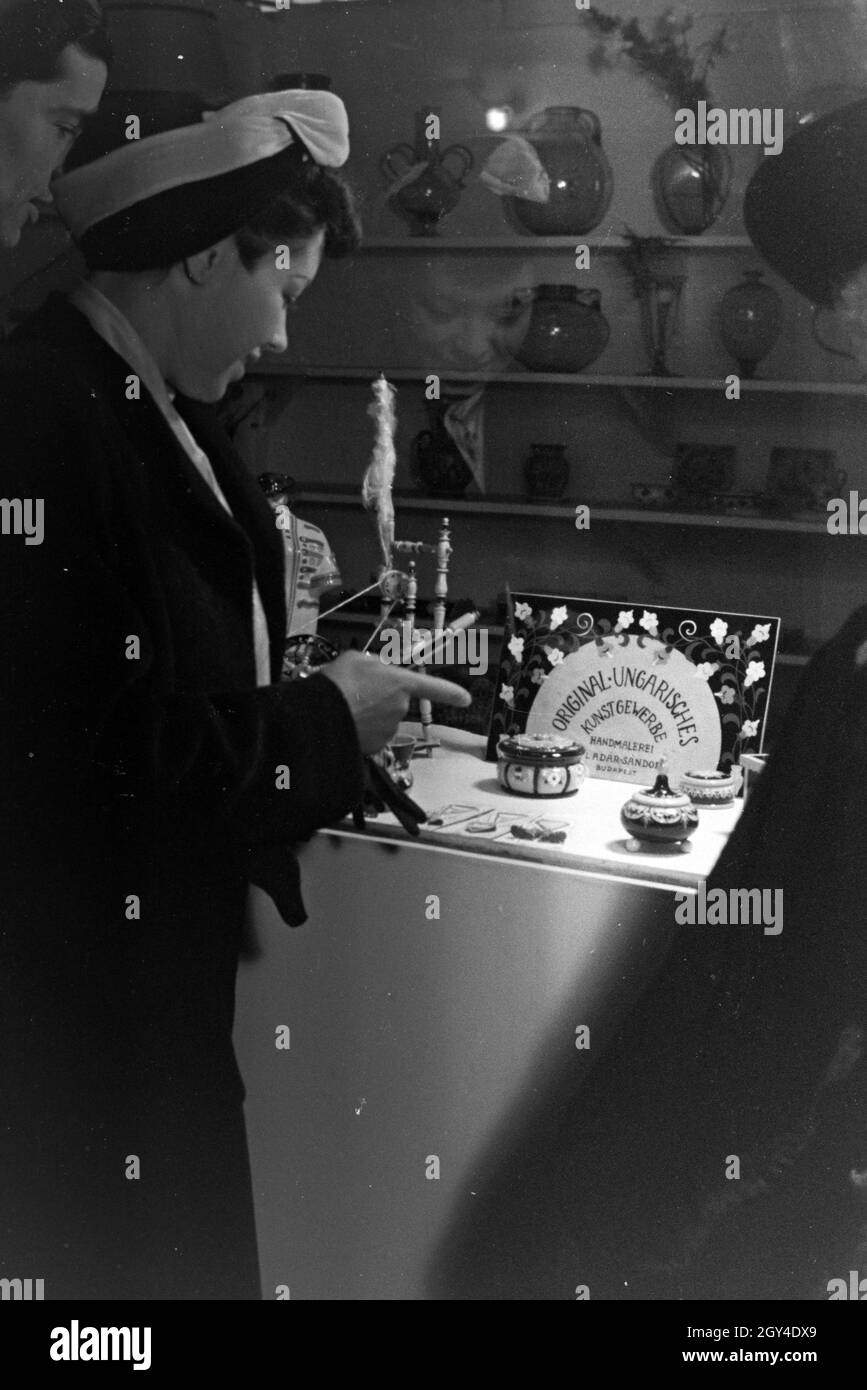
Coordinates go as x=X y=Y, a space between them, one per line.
x=35 y=33
x=315 y=198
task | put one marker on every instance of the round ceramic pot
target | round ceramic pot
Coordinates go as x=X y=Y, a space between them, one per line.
x=691 y=184
x=567 y=329
x=657 y=815
x=540 y=764
x=712 y=788
x=568 y=141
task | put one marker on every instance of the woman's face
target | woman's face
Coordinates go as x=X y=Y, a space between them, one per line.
x=229 y=316
x=39 y=122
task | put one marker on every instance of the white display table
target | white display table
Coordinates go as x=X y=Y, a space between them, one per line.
x=434 y=987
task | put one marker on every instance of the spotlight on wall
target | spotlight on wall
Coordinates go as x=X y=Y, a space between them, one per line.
x=499 y=118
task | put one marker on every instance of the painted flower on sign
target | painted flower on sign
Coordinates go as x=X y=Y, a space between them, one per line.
x=625 y=619
x=554 y=655
x=537 y=675
x=760 y=633
x=754 y=672
x=507 y=695
x=749 y=728
x=649 y=621
x=718 y=630
x=516 y=647
x=726 y=696
x=705 y=670
x=523 y=612
x=558 y=617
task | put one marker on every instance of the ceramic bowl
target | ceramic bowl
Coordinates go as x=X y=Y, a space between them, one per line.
x=540 y=764
x=710 y=787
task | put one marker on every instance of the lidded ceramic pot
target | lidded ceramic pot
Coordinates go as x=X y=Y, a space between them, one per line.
x=540 y=764
x=712 y=788
x=567 y=328
x=658 y=815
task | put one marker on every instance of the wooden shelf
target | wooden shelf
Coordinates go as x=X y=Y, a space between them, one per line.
x=543 y=243
x=668 y=384
x=517 y=506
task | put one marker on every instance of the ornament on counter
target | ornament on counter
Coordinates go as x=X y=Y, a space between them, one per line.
x=639 y=686
x=658 y=816
x=540 y=764
x=508 y=827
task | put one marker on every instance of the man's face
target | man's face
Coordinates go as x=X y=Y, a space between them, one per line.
x=39 y=121
x=230 y=315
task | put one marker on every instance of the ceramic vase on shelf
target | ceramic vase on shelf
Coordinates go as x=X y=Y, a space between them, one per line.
x=568 y=142
x=423 y=186
x=437 y=462
x=751 y=320
x=567 y=329
x=546 y=471
x=691 y=184
x=659 y=302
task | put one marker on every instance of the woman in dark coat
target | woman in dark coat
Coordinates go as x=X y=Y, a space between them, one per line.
x=152 y=764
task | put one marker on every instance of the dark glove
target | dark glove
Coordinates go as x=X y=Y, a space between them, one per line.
x=381 y=794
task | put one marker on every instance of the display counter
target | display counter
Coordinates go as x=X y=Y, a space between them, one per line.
x=437 y=986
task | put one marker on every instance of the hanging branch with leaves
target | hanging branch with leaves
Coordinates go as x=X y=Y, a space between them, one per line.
x=663 y=55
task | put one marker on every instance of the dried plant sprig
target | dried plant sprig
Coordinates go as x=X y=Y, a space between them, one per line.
x=663 y=55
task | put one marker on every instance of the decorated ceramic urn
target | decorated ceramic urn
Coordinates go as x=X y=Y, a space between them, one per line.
x=657 y=815
x=540 y=764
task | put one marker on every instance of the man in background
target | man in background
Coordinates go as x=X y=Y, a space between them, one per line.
x=53 y=68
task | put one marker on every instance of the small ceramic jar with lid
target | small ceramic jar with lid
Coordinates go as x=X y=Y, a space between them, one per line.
x=540 y=764
x=657 y=815
x=706 y=787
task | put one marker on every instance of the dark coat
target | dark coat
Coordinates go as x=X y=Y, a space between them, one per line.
x=139 y=797
x=746 y=1045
